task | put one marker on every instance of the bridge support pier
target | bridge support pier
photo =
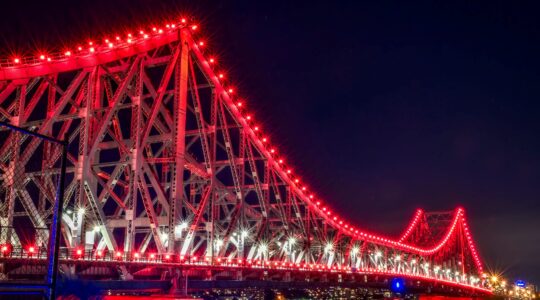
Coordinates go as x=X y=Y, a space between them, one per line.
x=287 y=277
x=209 y=275
x=239 y=275
x=179 y=283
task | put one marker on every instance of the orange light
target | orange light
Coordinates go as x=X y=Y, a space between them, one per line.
x=110 y=45
x=90 y=43
x=16 y=60
x=183 y=20
x=48 y=59
x=231 y=91
x=68 y=53
x=194 y=27
x=289 y=171
x=4 y=248
x=256 y=128
x=92 y=49
x=42 y=56
x=248 y=118
x=264 y=140
x=136 y=255
x=152 y=256
x=221 y=76
x=117 y=38
x=154 y=29
x=31 y=249
x=99 y=253
x=160 y=31
x=79 y=252
x=168 y=256
x=201 y=43
x=272 y=150
x=296 y=180
x=79 y=48
x=280 y=161
x=141 y=32
x=146 y=36
x=212 y=60
x=118 y=254
x=239 y=104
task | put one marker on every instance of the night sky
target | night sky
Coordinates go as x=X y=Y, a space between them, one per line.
x=382 y=107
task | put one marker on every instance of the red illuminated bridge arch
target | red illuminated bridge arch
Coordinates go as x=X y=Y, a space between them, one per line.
x=168 y=167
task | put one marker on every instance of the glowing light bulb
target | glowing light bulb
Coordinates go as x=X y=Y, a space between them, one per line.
x=201 y=43
x=221 y=76
x=92 y=49
x=42 y=57
x=183 y=20
x=212 y=60
x=16 y=60
x=68 y=53
x=110 y=45
x=194 y=27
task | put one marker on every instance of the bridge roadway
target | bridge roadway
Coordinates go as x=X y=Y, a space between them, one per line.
x=225 y=273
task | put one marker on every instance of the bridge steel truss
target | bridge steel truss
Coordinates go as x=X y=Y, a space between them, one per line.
x=163 y=159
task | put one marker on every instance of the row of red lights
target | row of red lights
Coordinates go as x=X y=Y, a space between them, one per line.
x=108 y=44
x=276 y=264
x=412 y=225
x=472 y=247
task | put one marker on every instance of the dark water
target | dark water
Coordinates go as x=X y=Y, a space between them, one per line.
x=273 y=294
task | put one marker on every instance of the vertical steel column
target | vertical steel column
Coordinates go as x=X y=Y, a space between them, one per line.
x=54 y=240
x=179 y=137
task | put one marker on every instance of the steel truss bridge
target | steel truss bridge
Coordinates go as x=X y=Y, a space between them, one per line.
x=167 y=170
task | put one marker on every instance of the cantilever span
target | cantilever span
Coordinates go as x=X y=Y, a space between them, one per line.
x=168 y=168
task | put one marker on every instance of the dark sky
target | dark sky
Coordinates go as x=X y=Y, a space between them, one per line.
x=382 y=106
